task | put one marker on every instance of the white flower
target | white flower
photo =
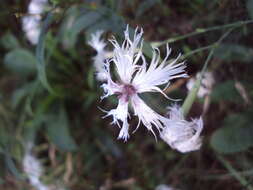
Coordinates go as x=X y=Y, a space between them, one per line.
x=96 y=42
x=31 y=23
x=180 y=134
x=136 y=76
x=206 y=86
x=99 y=45
x=33 y=169
x=165 y=187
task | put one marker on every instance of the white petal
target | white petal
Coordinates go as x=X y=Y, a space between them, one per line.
x=123 y=134
x=147 y=79
x=110 y=87
x=96 y=42
x=146 y=115
x=180 y=134
x=127 y=55
x=175 y=112
x=195 y=142
x=120 y=114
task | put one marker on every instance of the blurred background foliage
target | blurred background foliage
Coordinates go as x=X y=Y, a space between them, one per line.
x=49 y=96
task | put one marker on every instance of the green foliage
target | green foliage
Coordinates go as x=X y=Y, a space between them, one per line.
x=235 y=135
x=57 y=126
x=226 y=91
x=20 y=61
x=249 y=4
x=20 y=94
x=76 y=21
x=55 y=2
x=61 y=105
x=145 y=6
x=91 y=20
x=9 y=41
x=234 y=52
x=40 y=53
x=12 y=167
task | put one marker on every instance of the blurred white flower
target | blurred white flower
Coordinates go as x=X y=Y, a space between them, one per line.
x=99 y=45
x=165 y=187
x=33 y=169
x=180 y=134
x=206 y=86
x=31 y=23
x=134 y=78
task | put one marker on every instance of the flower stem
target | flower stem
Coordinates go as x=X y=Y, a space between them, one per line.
x=193 y=93
x=196 y=51
x=233 y=171
x=200 y=31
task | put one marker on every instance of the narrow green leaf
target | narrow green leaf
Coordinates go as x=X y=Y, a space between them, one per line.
x=40 y=53
x=58 y=131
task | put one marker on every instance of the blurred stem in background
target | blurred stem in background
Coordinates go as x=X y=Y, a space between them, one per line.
x=233 y=171
x=200 y=31
x=193 y=93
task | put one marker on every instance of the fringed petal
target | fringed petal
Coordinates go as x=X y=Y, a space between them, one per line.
x=148 y=78
x=180 y=134
x=146 y=115
x=121 y=114
x=126 y=56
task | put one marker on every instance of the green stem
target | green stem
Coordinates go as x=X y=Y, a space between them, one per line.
x=200 y=31
x=193 y=93
x=196 y=51
x=233 y=172
x=215 y=45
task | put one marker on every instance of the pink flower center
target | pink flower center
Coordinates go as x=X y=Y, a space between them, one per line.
x=127 y=91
